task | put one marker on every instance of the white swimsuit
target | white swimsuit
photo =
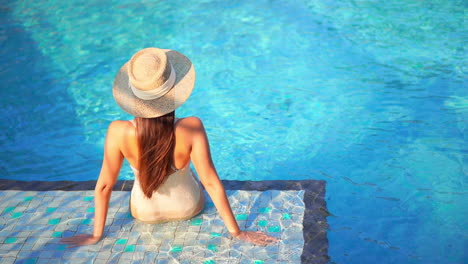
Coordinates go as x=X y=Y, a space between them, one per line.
x=180 y=197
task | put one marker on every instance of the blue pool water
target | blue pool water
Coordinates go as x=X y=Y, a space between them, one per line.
x=370 y=96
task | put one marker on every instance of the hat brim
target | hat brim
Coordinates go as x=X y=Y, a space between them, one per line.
x=184 y=83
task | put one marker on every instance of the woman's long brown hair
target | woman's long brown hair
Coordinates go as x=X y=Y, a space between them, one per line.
x=156 y=143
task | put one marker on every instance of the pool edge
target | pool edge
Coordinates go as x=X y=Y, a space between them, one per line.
x=315 y=224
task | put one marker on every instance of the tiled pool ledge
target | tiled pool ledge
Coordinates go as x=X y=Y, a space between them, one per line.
x=35 y=215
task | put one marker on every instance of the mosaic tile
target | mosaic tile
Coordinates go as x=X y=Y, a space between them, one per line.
x=213 y=248
x=121 y=241
x=10 y=240
x=27 y=261
x=16 y=214
x=264 y=210
x=54 y=221
x=241 y=216
x=129 y=248
x=214 y=234
x=28 y=198
x=86 y=222
x=196 y=222
x=274 y=229
x=88 y=198
x=9 y=209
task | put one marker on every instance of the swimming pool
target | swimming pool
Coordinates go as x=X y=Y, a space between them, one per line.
x=368 y=95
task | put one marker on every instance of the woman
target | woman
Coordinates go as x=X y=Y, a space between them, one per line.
x=159 y=149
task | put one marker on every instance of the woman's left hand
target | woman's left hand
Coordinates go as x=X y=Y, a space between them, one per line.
x=80 y=240
x=257 y=238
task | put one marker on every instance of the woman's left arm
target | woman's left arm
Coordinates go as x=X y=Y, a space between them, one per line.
x=110 y=169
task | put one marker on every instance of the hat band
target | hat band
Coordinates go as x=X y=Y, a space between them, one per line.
x=156 y=92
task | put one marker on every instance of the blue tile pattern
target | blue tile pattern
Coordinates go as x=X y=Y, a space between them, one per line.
x=34 y=221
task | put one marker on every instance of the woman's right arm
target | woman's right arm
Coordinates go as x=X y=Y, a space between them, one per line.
x=110 y=169
x=201 y=158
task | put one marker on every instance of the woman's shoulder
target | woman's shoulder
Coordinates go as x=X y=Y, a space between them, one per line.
x=118 y=128
x=120 y=124
x=190 y=120
x=191 y=124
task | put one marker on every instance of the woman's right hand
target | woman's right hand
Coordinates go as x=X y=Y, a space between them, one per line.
x=80 y=240
x=256 y=237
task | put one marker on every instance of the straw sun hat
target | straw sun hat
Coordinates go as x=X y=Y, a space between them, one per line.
x=154 y=82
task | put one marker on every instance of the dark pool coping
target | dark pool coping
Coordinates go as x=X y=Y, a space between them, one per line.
x=315 y=212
